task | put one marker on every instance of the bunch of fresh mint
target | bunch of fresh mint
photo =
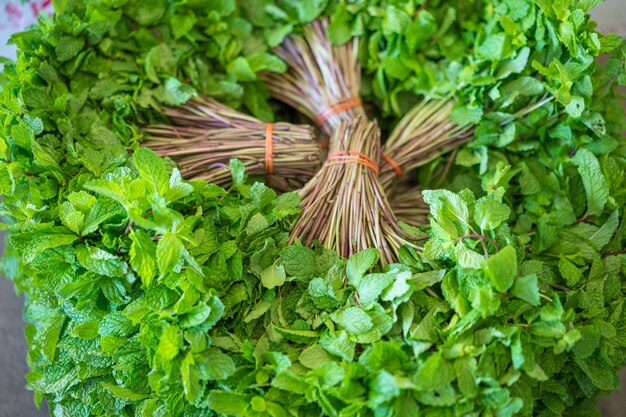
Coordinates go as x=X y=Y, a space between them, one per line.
x=151 y=296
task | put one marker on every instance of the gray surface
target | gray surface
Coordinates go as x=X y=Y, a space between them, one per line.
x=15 y=400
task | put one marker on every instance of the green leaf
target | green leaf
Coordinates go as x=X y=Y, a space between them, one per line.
x=501 y=268
x=314 y=356
x=526 y=289
x=170 y=343
x=87 y=330
x=218 y=365
x=322 y=294
x=493 y=47
x=262 y=196
x=298 y=261
x=152 y=170
x=603 y=236
x=100 y=261
x=191 y=378
x=467 y=258
x=287 y=381
x=383 y=389
x=370 y=287
x=100 y=212
x=489 y=213
x=181 y=25
x=68 y=47
x=339 y=344
x=514 y=65
x=428 y=279
x=71 y=218
x=241 y=69
x=401 y=284
x=177 y=187
x=228 y=403
x=395 y=20
x=273 y=276
x=237 y=172
x=174 y=92
x=169 y=252
x=36 y=243
x=570 y=272
x=115 y=324
x=353 y=319
x=143 y=256
x=600 y=373
x=22 y=136
x=266 y=62
x=309 y=10
x=360 y=263
x=124 y=394
x=575 y=107
x=467 y=115
x=593 y=179
x=147 y=13
x=196 y=316
x=434 y=373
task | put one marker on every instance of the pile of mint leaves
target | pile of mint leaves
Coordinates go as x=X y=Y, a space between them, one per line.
x=151 y=296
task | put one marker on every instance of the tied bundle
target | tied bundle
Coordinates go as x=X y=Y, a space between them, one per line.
x=322 y=81
x=344 y=206
x=424 y=133
x=408 y=204
x=206 y=135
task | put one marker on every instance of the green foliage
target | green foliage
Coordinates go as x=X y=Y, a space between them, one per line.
x=151 y=296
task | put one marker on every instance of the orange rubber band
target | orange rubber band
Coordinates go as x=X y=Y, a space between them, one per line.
x=394 y=165
x=269 y=149
x=341 y=105
x=355 y=157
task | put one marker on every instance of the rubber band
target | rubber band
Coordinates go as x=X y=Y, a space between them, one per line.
x=324 y=144
x=394 y=165
x=347 y=157
x=269 y=149
x=341 y=105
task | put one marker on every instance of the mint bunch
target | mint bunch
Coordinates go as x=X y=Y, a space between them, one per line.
x=148 y=295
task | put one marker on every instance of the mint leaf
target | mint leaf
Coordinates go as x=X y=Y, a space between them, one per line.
x=169 y=252
x=174 y=92
x=143 y=256
x=170 y=343
x=298 y=261
x=218 y=365
x=501 y=268
x=489 y=213
x=371 y=286
x=273 y=276
x=229 y=403
x=354 y=320
x=152 y=170
x=593 y=180
x=526 y=289
x=360 y=263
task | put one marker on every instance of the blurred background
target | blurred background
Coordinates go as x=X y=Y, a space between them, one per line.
x=15 y=400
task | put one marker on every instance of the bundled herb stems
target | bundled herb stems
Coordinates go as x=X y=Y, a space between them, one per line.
x=424 y=133
x=322 y=81
x=206 y=135
x=408 y=204
x=344 y=206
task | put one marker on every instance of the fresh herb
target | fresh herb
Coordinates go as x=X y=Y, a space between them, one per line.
x=344 y=206
x=207 y=134
x=322 y=81
x=148 y=295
